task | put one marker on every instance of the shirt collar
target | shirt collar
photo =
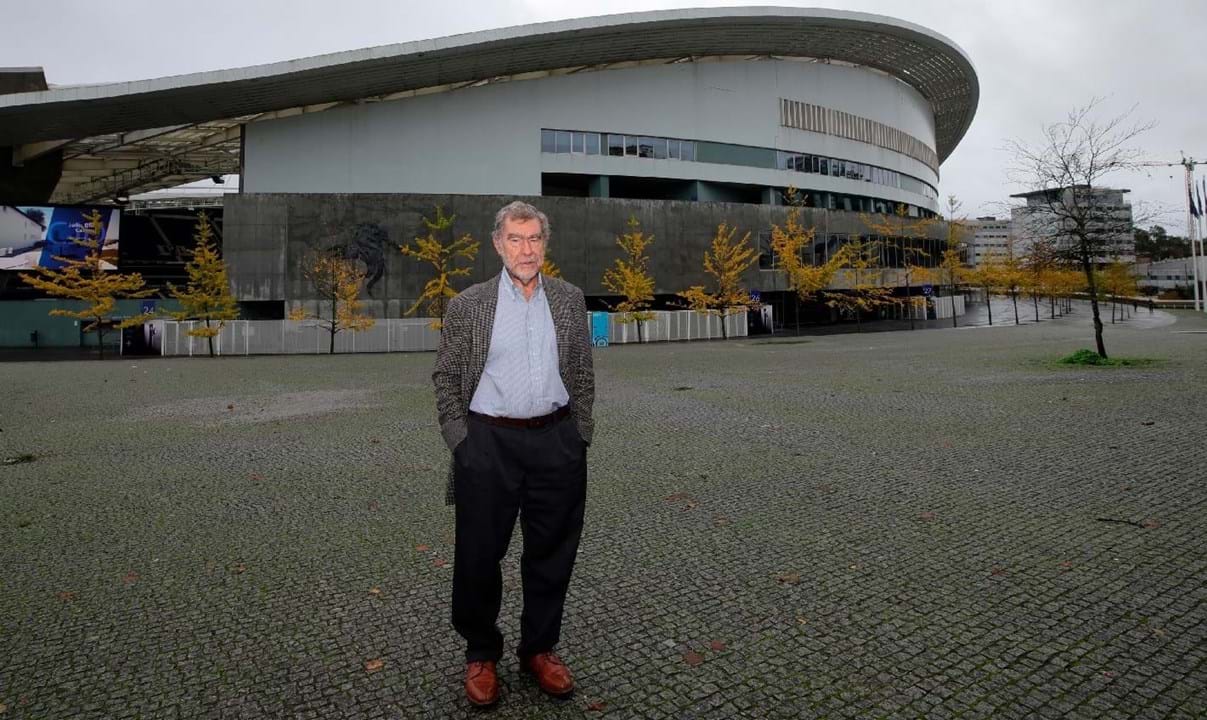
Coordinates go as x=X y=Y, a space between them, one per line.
x=515 y=292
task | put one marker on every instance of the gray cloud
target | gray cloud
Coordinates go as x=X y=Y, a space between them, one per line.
x=1036 y=59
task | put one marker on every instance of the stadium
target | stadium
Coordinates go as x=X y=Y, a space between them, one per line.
x=682 y=118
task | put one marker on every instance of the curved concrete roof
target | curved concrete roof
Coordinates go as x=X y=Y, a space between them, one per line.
x=924 y=59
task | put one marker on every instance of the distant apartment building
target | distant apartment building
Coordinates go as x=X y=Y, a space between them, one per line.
x=1108 y=211
x=991 y=238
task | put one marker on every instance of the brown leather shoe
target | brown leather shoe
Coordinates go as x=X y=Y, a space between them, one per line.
x=551 y=674
x=481 y=683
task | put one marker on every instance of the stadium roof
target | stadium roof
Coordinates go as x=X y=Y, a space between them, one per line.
x=120 y=138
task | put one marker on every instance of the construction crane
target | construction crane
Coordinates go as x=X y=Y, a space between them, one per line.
x=1194 y=231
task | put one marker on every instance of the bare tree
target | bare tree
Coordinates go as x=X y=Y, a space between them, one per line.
x=1064 y=172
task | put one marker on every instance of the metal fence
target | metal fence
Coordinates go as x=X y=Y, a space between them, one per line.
x=286 y=337
x=676 y=325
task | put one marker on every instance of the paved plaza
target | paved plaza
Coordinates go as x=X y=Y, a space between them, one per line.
x=930 y=524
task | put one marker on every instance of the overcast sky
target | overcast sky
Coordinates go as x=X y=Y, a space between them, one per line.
x=1036 y=59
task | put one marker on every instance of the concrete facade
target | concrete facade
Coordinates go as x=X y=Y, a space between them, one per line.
x=266 y=235
x=486 y=140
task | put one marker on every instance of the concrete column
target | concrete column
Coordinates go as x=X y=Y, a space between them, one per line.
x=599 y=187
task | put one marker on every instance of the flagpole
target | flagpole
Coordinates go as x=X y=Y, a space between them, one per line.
x=1190 y=230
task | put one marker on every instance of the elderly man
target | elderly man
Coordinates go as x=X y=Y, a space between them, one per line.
x=514 y=390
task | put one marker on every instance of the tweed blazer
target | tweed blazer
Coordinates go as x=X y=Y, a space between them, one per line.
x=465 y=343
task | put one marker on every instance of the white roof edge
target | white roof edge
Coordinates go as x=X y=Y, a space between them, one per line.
x=451 y=42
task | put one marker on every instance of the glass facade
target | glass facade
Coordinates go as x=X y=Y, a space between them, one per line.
x=662 y=148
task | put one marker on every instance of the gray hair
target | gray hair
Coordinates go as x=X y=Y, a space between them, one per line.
x=520 y=210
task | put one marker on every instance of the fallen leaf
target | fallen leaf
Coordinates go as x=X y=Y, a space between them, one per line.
x=720 y=520
x=802 y=620
x=693 y=658
x=257 y=477
x=1066 y=565
x=1147 y=422
x=230 y=407
x=439 y=562
x=1110 y=673
x=422 y=548
x=677 y=497
x=927 y=516
x=717 y=645
x=374 y=665
x=375 y=591
x=997 y=571
x=3 y=708
x=691 y=505
x=374 y=440
x=130 y=578
x=374 y=506
x=825 y=487
x=67 y=595
x=597 y=706
x=788 y=578
x=239 y=568
x=1151 y=523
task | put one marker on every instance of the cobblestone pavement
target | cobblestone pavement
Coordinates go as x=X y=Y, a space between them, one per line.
x=932 y=524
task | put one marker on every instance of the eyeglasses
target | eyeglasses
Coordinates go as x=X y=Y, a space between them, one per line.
x=534 y=239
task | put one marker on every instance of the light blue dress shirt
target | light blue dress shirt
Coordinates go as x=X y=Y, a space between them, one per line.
x=521 y=378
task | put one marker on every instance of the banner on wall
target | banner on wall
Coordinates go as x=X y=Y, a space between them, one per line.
x=32 y=235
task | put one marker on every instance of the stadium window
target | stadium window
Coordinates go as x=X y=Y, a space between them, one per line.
x=563 y=142
x=824 y=163
x=578 y=143
x=630 y=145
x=766 y=256
x=687 y=150
x=645 y=147
x=547 y=141
x=592 y=143
x=672 y=149
x=616 y=145
x=659 y=145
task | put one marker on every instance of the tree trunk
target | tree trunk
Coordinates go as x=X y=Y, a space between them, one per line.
x=1014 y=297
x=1089 y=276
x=209 y=337
x=1035 y=300
x=640 y=339
x=989 y=304
x=334 y=327
x=100 y=341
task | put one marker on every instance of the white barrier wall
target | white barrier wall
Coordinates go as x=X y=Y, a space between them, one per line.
x=287 y=337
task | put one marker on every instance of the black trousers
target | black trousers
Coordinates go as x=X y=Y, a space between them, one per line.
x=540 y=475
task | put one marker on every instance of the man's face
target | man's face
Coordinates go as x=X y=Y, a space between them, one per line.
x=522 y=248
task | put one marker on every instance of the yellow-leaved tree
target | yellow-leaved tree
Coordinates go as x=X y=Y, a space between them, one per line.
x=443 y=255
x=86 y=280
x=336 y=282
x=630 y=277
x=860 y=261
x=951 y=265
x=904 y=231
x=788 y=242
x=1118 y=281
x=207 y=296
x=549 y=269
x=726 y=261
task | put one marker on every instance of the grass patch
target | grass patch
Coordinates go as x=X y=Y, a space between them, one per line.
x=1089 y=357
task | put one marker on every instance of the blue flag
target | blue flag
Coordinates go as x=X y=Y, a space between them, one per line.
x=1200 y=201
x=1194 y=210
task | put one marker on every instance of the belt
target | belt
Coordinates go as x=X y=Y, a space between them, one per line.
x=530 y=423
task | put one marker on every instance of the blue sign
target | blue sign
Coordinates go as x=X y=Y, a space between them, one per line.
x=756 y=296
x=599 y=329
x=148 y=307
x=928 y=290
